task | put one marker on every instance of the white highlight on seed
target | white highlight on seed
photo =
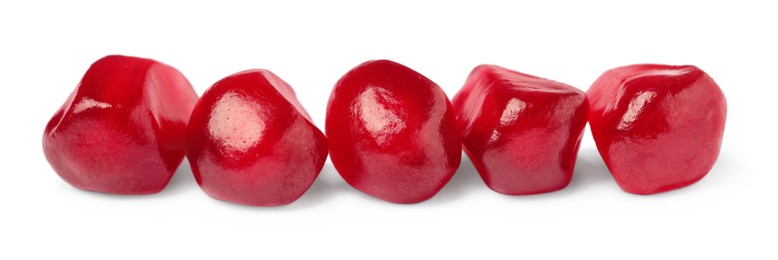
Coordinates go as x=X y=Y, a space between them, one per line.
x=235 y=123
x=88 y=103
x=380 y=121
x=512 y=110
x=634 y=109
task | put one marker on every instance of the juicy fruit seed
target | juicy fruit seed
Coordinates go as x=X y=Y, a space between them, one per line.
x=122 y=130
x=392 y=132
x=657 y=127
x=521 y=132
x=250 y=141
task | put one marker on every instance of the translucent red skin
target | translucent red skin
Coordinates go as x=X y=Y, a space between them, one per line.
x=122 y=129
x=657 y=127
x=251 y=142
x=521 y=132
x=392 y=132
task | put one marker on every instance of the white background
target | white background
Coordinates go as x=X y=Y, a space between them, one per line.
x=46 y=47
